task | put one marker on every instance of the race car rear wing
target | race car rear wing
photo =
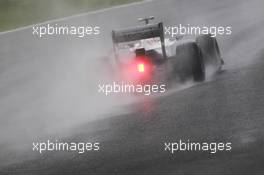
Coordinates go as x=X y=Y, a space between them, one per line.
x=139 y=33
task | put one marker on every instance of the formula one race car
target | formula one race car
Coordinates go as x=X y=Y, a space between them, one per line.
x=142 y=54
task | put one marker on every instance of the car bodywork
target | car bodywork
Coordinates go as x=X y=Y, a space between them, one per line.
x=168 y=59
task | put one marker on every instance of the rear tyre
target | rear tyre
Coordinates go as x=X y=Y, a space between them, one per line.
x=191 y=61
x=210 y=51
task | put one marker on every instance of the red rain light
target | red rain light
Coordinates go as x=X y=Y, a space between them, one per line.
x=141 y=67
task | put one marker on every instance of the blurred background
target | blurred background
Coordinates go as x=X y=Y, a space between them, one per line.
x=17 y=13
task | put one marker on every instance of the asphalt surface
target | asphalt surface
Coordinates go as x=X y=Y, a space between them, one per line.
x=226 y=108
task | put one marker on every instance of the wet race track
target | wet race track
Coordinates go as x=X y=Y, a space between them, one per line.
x=48 y=87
